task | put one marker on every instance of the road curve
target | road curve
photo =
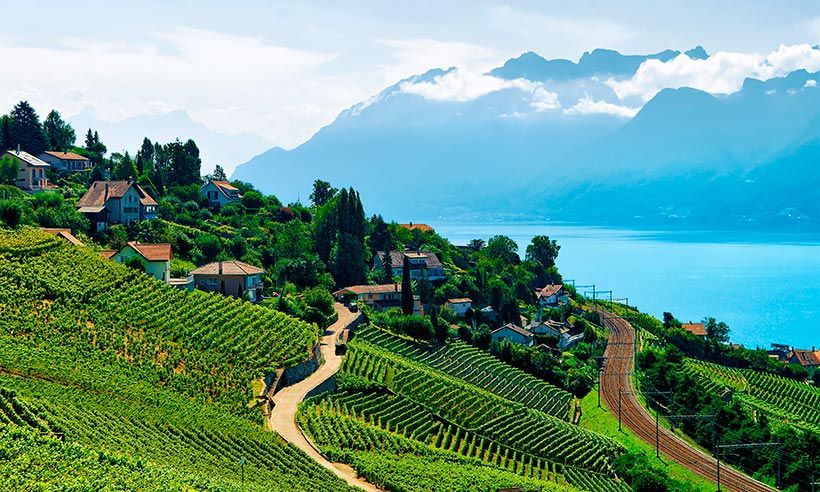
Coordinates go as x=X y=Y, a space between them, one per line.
x=616 y=379
x=283 y=417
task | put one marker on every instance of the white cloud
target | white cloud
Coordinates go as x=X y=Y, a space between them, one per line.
x=721 y=73
x=415 y=56
x=810 y=83
x=587 y=105
x=461 y=86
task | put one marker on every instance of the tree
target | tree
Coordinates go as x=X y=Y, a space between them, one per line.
x=406 y=288
x=5 y=132
x=135 y=263
x=387 y=266
x=477 y=245
x=219 y=174
x=442 y=331
x=26 y=130
x=11 y=212
x=209 y=245
x=543 y=251
x=717 y=333
x=8 y=170
x=59 y=134
x=348 y=250
x=95 y=148
x=322 y=193
x=502 y=248
x=253 y=200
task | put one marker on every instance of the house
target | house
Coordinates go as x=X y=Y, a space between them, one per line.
x=155 y=258
x=489 y=315
x=460 y=305
x=514 y=334
x=697 y=329
x=416 y=227
x=64 y=234
x=233 y=278
x=423 y=264
x=805 y=358
x=567 y=336
x=382 y=296
x=219 y=193
x=31 y=171
x=552 y=295
x=116 y=202
x=65 y=161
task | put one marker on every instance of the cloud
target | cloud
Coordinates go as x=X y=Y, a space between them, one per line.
x=462 y=86
x=721 y=73
x=810 y=83
x=587 y=105
x=414 y=56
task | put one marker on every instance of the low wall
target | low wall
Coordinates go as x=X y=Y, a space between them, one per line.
x=300 y=371
x=328 y=385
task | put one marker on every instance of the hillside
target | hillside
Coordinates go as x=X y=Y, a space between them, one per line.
x=97 y=363
x=423 y=407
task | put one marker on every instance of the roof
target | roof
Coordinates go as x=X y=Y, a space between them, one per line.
x=224 y=185
x=108 y=253
x=421 y=227
x=91 y=210
x=153 y=251
x=806 y=357
x=100 y=191
x=63 y=233
x=233 y=267
x=515 y=328
x=549 y=290
x=459 y=300
x=397 y=258
x=66 y=156
x=552 y=325
x=695 y=328
x=27 y=158
x=369 y=289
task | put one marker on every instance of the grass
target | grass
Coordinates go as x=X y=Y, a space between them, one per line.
x=604 y=422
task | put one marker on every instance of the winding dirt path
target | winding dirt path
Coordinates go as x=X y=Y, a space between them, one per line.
x=616 y=383
x=283 y=417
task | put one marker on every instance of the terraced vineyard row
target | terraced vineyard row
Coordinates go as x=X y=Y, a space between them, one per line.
x=477 y=367
x=450 y=400
x=204 y=345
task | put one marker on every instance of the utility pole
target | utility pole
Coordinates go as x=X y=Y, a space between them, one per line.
x=750 y=445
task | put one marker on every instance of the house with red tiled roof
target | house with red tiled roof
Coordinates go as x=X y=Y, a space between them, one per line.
x=155 y=257
x=805 y=358
x=65 y=161
x=460 y=305
x=423 y=264
x=116 y=202
x=64 y=234
x=697 y=329
x=232 y=278
x=552 y=295
x=219 y=193
x=31 y=171
x=382 y=296
x=514 y=334
x=420 y=227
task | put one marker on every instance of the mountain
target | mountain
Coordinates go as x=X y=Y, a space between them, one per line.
x=529 y=148
x=215 y=148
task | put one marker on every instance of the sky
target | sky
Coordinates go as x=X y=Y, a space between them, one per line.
x=282 y=70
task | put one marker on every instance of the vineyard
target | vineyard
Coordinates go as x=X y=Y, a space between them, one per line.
x=781 y=398
x=109 y=379
x=204 y=345
x=454 y=401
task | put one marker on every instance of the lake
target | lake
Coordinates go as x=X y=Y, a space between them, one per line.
x=766 y=287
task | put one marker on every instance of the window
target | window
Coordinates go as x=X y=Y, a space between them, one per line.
x=213 y=281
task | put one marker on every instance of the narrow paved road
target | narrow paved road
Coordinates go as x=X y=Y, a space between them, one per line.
x=283 y=417
x=617 y=381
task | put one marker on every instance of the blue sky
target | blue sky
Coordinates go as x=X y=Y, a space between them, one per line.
x=282 y=70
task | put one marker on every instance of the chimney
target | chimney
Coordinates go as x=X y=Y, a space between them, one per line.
x=18 y=148
x=105 y=198
x=220 y=268
x=396 y=286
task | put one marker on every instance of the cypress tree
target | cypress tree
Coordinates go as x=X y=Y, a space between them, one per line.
x=26 y=130
x=406 y=288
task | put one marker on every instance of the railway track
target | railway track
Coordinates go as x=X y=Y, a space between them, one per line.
x=616 y=383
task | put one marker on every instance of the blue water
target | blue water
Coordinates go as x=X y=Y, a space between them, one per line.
x=765 y=286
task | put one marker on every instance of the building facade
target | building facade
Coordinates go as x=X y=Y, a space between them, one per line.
x=65 y=161
x=116 y=202
x=231 y=278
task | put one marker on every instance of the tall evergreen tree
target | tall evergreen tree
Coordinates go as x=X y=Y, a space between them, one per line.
x=26 y=130
x=387 y=265
x=219 y=174
x=96 y=148
x=406 y=288
x=59 y=134
x=5 y=132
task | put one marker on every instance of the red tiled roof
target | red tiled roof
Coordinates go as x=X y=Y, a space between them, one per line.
x=549 y=290
x=96 y=194
x=224 y=185
x=806 y=357
x=421 y=227
x=695 y=328
x=233 y=267
x=153 y=251
x=369 y=289
x=63 y=233
x=515 y=328
x=108 y=253
x=66 y=156
x=397 y=258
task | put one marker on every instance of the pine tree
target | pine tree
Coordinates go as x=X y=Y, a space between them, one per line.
x=387 y=265
x=219 y=174
x=26 y=130
x=59 y=134
x=406 y=288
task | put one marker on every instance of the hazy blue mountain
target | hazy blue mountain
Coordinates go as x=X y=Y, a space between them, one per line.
x=215 y=148
x=684 y=153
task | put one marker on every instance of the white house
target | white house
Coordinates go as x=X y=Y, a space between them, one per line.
x=552 y=295
x=514 y=334
x=562 y=331
x=65 y=161
x=460 y=305
x=219 y=193
x=155 y=258
x=31 y=171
